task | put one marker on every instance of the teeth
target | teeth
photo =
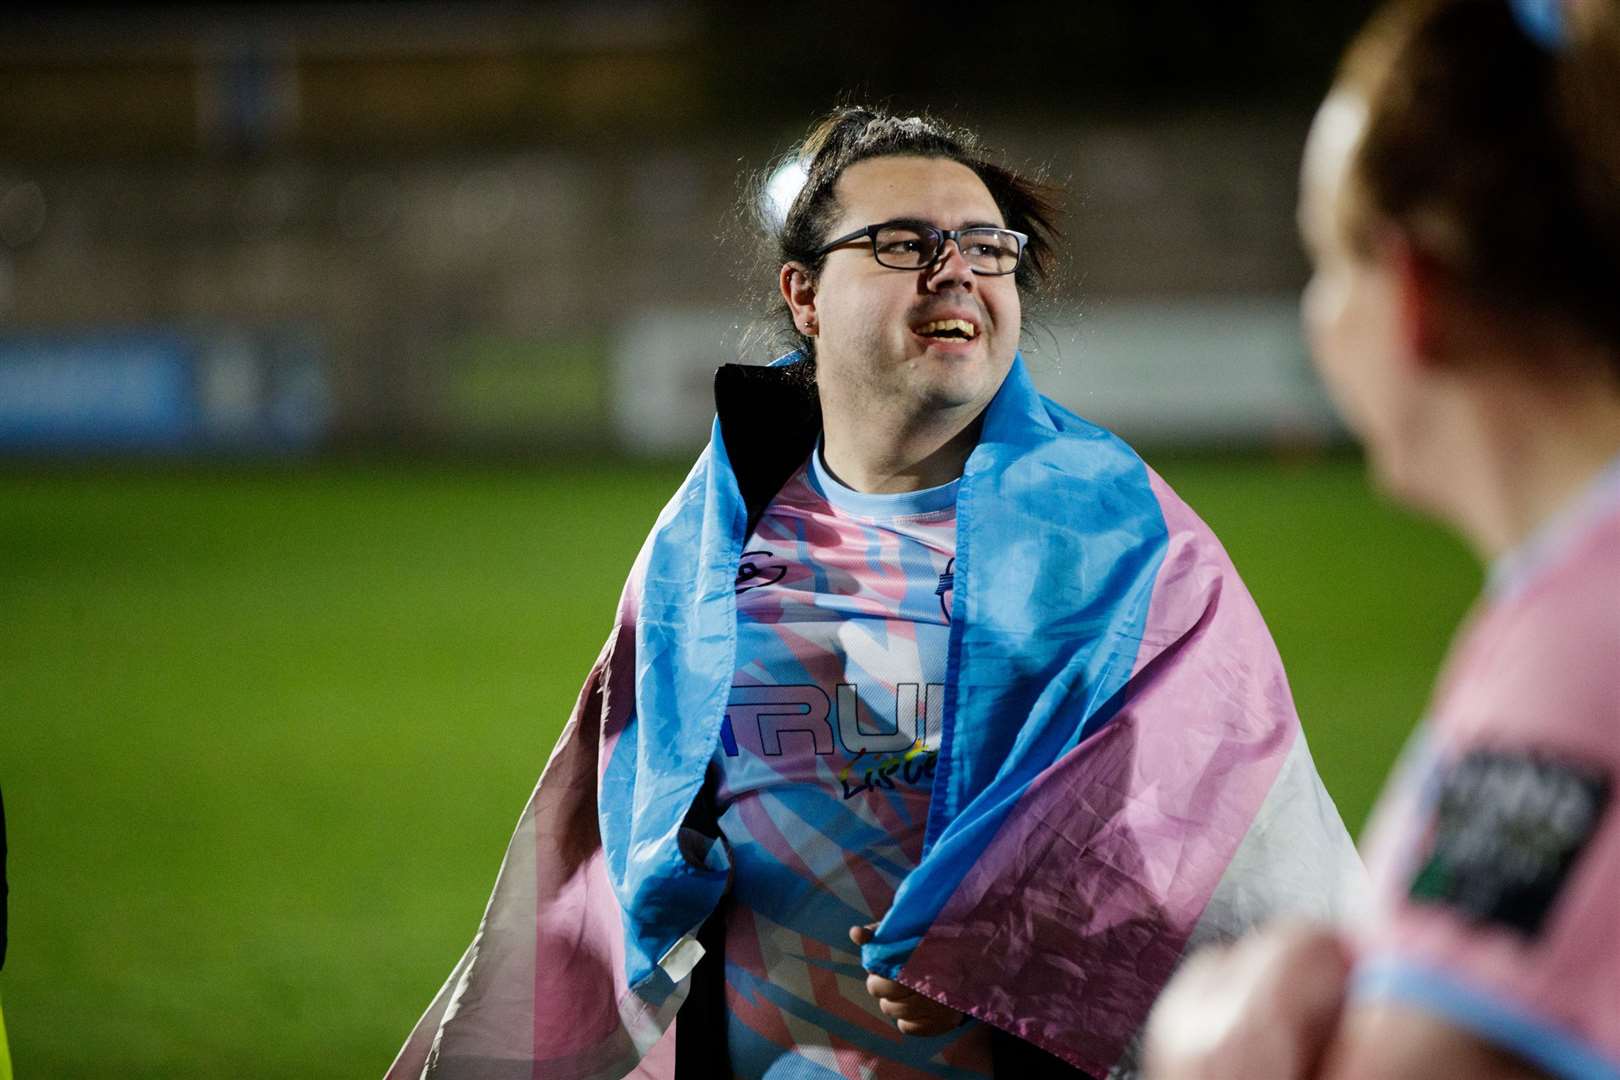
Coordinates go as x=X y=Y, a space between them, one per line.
x=940 y=326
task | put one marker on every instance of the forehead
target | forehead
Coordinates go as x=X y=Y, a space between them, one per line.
x=938 y=190
x=1335 y=134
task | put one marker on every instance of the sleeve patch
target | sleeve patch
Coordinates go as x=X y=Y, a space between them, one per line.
x=1505 y=832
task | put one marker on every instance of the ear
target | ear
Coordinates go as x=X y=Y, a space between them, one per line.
x=1426 y=303
x=799 y=290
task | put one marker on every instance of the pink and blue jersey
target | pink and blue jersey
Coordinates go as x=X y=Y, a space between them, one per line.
x=825 y=770
x=1496 y=852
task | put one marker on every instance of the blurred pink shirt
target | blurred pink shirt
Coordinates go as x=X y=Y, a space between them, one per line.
x=1496 y=852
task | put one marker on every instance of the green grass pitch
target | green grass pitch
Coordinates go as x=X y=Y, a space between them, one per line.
x=263 y=735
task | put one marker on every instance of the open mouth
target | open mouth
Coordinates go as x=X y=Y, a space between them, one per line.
x=947 y=330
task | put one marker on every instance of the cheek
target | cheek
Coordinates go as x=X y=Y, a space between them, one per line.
x=857 y=306
x=844 y=317
x=1348 y=318
x=1327 y=309
x=1321 y=310
x=1012 y=316
x=1006 y=312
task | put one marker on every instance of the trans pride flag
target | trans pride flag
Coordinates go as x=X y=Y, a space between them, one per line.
x=1121 y=774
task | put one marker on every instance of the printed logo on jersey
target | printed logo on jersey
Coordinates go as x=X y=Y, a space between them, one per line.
x=882 y=751
x=914 y=767
x=947 y=582
x=1507 y=829
x=754 y=572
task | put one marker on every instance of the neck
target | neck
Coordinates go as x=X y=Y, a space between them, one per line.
x=1523 y=453
x=907 y=456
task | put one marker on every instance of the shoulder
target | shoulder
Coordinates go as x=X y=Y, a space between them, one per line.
x=1076 y=431
x=1193 y=576
x=1499 y=869
x=1101 y=456
x=1090 y=464
x=1542 y=663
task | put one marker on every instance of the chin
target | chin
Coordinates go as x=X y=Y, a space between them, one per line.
x=975 y=388
x=970 y=377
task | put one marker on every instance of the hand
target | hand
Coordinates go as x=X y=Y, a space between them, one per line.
x=912 y=1013
x=1266 y=1006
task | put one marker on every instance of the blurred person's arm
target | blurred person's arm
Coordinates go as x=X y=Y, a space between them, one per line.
x=1274 y=1006
x=1393 y=1040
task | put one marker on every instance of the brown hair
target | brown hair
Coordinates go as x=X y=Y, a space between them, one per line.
x=853 y=134
x=1496 y=149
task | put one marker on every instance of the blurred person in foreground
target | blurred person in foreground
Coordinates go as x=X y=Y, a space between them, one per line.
x=934 y=726
x=1461 y=201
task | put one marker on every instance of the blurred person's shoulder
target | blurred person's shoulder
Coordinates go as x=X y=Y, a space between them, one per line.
x=1547 y=663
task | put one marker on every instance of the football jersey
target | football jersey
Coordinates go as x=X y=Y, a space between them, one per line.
x=824 y=771
x=1496 y=852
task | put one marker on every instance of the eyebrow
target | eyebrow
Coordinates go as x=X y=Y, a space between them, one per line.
x=931 y=225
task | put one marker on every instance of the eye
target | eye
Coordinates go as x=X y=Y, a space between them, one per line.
x=990 y=244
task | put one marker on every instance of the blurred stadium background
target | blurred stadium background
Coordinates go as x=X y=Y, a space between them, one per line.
x=347 y=352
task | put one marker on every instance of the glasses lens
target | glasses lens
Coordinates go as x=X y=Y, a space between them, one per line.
x=905 y=247
x=991 y=251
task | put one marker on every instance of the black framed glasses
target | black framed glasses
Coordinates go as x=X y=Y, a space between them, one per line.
x=917 y=245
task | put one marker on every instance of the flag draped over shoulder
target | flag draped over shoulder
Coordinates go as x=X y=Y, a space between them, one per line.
x=1121 y=773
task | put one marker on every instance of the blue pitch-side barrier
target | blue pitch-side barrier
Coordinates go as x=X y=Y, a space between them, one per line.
x=161 y=391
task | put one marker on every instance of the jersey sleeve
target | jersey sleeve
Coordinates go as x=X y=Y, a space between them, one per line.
x=1498 y=872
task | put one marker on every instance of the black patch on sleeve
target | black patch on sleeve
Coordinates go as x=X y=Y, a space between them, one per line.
x=1507 y=829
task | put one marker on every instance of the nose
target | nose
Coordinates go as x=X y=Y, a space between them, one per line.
x=951 y=268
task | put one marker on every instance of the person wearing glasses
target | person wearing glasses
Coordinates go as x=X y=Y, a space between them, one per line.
x=934 y=728
x=1466 y=320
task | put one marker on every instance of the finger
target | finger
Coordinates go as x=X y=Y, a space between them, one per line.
x=918 y=1009
x=924 y=1016
x=860 y=935
x=882 y=988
